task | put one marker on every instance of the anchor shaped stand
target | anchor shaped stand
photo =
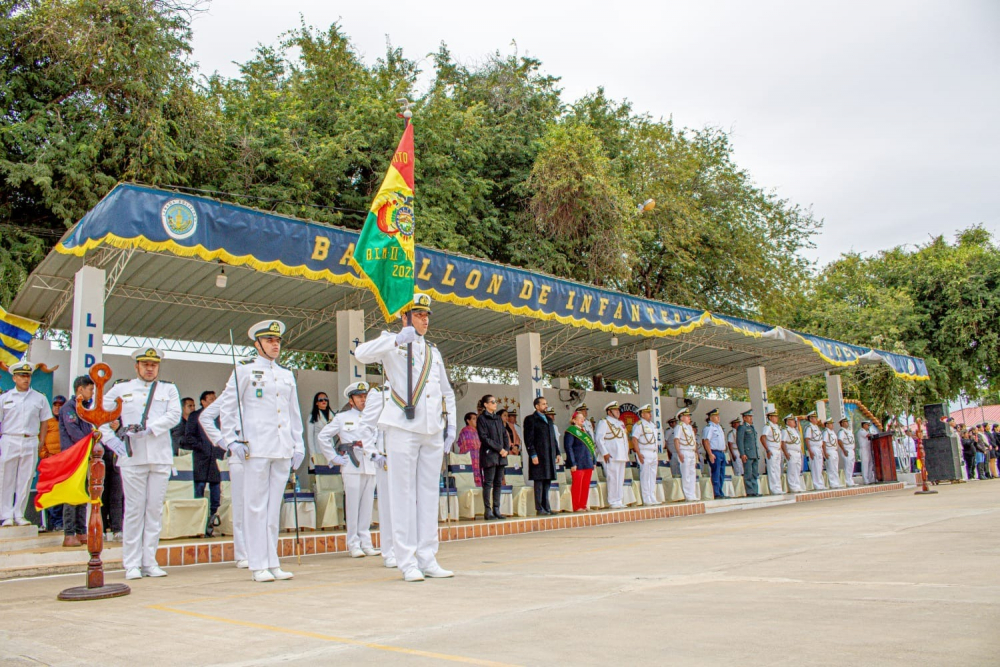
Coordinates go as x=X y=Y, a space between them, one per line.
x=96 y=589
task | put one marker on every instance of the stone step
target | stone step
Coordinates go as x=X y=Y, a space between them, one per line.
x=56 y=560
x=17 y=532
x=43 y=541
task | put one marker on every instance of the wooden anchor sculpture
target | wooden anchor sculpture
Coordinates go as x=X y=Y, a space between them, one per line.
x=96 y=589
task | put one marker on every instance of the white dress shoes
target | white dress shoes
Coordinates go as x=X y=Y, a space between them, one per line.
x=280 y=574
x=370 y=551
x=413 y=574
x=357 y=553
x=153 y=571
x=133 y=573
x=390 y=562
x=262 y=576
x=22 y=522
x=435 y=571
x=242 y=564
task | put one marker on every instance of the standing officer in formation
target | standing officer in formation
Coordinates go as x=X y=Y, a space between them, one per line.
x=24 y=416
x=830 y=452
x=675 y=465
x=612 y=446
x=686 y=444
x=746 y=440
x=791 y=446
x=150 y=408
x=374 y=438
x=863 y=436
x=643 y=441
x=714 y=441
x=771 y=440
x=814 y=441
x=845 y=440
x=208 y=419
x=359 y=480
x=415 y=447
x=262 y=425
x=734 y=451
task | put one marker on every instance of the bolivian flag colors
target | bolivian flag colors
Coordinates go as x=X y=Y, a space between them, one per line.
x=63 y=478
x=384 y=252
x=15 y=336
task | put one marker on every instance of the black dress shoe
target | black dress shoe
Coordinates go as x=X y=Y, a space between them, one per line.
x=488 y=517
x=498 y=516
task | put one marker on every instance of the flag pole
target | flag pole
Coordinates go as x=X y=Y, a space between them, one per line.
x=409 y=410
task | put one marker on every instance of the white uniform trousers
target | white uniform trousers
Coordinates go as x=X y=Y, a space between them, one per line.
x=238 y=507
x=263 y=490
x=833 y=467
x=614 y=476
x=145 y=487
x=414 y=476
x=774 y=469
x=359 y=496
x=689 y=481
x=867 y=463
x=848 y=461
x=795 y=471
x=15 y=481
x=816 y=467
x=384 y=513
x=647 y=475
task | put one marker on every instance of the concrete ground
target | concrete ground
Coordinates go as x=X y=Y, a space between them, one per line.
x=885 y=579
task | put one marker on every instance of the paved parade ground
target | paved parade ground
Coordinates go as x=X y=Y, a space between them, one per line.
x=885 y=579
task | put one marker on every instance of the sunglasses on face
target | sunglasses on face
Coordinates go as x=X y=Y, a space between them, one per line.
x=322 y=400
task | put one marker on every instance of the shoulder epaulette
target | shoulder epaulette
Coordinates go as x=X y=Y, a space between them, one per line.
x=165 y=382
x=119 y=381
x=244 y=362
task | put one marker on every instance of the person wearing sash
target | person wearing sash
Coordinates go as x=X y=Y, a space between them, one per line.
x=734 y=451
x=830 y=452
x=150 y=408
x=863 y=437
x=791 y=447
x=714 y=442
x=770 y=439
x=845 y=441
x=686 y=444
x=373 y=438
x=359 y=477
x=814 y=441
x=581 y=453
x=415 y=447
x=612 y=446
x=644 y=444
x=746 y=440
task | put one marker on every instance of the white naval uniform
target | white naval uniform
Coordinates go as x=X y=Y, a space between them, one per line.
x=832 y=458
x=734 y=452
x=207 y=419
x=644 y=432
x=359 y=481
x=793 y=442
x=867 y=460
x=146 y=473
x=375 y=435
x=814 y=441
x=772 y=441
x=22 y=414
x=847 y=460
x=414 y=447
x=687 y=444
x=273 y=433
x=610 y=439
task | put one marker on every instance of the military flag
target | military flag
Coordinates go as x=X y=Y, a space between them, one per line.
x=15 y=336
x=63 y=478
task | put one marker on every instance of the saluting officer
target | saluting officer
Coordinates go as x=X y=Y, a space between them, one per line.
x=863 y=437
x=686 y=444
x=150 y=408
x=746 y=440
x=814 y=441
x=845 y=440
x=771 y=440
x=359 y=479
x=24 y=419
x=612 y=445
x=374 y=438
x=734 y=451
x=262 y=426
x=791 y=446
x=415 y=446
x=644 y=443
x=830 y=452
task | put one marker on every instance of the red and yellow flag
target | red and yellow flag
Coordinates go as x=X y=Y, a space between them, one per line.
x=63 y=478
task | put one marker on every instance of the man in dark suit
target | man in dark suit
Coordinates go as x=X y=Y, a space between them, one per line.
x=543 y=448
x=205 y=458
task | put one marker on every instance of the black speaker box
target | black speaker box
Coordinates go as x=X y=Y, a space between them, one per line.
x=933 y=414
x=943 y=458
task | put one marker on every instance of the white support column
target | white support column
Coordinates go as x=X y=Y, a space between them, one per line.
x=757 y=381
x=350 y=334
x=834 y=392
x=649 y=388
x=529 y=377
x=87 y=347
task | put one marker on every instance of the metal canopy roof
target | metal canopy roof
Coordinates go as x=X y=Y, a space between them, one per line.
x=154 y=291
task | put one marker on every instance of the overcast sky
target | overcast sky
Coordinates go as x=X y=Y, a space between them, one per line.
x=884 y=117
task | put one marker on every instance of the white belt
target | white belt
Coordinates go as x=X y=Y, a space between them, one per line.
x=19 y=435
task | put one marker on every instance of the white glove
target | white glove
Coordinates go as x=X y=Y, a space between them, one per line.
x=380 y=460
x=173 y=472
x=406 y=335
x=115 y=445
x=339 y=460
x=449 y=436
x=238 y=450
x=297 y=458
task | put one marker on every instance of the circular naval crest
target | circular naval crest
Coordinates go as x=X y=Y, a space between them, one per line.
x=179 y=219
x=629 y=415
x=911 y=367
